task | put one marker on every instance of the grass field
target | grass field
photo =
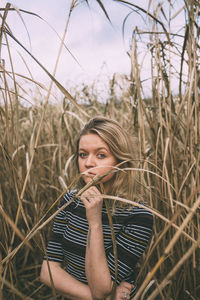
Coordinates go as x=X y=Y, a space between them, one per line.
x=37 y=142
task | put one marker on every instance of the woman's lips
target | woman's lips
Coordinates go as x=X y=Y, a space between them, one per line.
x=90 y=174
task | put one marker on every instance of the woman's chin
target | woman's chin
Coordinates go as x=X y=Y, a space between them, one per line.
x=87 y=179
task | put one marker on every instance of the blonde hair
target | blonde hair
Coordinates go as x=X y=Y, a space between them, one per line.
x=122 y=147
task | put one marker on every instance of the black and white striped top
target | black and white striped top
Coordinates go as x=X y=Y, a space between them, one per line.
x=133 y=229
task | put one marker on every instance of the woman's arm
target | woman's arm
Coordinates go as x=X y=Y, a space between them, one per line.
x=97 y=271
x=63 y=282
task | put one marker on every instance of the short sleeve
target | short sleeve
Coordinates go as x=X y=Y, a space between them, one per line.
x=54 y=250
x=131 y=242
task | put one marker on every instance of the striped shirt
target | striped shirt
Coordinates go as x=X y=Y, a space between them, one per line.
x=132 y=228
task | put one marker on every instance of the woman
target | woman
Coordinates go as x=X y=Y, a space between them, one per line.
x=82 y=237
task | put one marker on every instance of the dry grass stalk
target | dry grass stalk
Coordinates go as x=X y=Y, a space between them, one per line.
x=174 y=270
x=169 y=248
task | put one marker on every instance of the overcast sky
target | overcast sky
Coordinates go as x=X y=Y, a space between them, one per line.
x=90 y=37
x=93 y=41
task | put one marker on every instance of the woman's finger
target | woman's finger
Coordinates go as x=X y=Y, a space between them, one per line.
x=125 y=294
x=91 y=195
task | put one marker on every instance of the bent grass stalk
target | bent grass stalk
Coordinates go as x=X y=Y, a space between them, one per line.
x=14 y=290
x=38 y=227
x=13 y=225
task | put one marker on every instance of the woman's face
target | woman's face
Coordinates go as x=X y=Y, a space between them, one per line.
x=95 y=158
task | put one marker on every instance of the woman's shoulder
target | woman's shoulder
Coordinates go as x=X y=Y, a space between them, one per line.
x=141 y=208
x=136 y=214
x=142 y=216
x=70 y=195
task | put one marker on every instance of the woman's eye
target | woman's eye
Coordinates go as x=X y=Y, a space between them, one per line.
x=101 y=155
x=82 y=155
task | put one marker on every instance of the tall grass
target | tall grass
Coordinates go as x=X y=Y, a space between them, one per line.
x=37 y=142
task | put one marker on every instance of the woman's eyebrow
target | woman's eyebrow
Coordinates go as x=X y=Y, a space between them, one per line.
x=102 y=148
x=97 y=149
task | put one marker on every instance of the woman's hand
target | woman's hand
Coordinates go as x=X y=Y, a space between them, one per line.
x=92 y=201
x=122 y=291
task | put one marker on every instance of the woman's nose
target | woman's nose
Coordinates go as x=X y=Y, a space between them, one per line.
x=90 y=161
